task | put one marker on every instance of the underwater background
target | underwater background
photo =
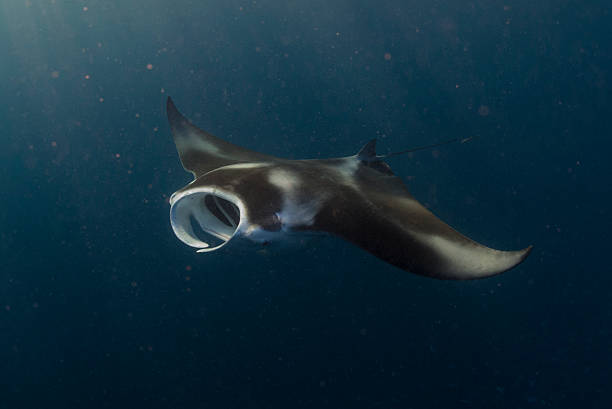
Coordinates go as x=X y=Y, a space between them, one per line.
x=101 y=306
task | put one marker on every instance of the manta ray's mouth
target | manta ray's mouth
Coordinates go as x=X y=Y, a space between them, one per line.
x=206 y=218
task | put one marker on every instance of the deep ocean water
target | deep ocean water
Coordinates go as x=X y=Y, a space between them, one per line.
x=101 y=306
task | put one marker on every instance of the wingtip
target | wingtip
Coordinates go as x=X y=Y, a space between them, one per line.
x=507 y=261
x=521 y=255
x=174 y=115
x=170 y=105
x=526 y=252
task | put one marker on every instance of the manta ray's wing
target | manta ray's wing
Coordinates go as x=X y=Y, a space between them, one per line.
x=379 y=215
x=201 y=152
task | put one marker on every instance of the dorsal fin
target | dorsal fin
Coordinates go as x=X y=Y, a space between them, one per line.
x=368 y=157
x=368 y=152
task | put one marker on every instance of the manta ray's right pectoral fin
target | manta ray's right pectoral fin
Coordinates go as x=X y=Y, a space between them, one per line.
x=201 y=152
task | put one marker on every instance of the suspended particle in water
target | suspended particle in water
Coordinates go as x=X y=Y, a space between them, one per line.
x=483 y=110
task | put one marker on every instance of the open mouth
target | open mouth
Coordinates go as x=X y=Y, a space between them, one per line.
x=205 y=218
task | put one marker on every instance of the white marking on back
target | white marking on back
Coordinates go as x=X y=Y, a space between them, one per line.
x=189 y=141
x=471 y=260
x=347 y=170
x=289 y=182
x=348 y=167
x=251 y=165
x=296 y=210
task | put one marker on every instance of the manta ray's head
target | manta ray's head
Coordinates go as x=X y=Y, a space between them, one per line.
x=206 y=217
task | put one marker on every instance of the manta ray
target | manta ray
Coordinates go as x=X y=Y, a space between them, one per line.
x=240 y=193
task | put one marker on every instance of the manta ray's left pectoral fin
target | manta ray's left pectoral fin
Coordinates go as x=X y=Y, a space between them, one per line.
x=454 y=258
x=401 y=231
x=432 y=248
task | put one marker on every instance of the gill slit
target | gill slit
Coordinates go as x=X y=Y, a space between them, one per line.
x=229 y=219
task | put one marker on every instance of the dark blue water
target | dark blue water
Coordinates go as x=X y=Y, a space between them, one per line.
x=100 y=304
